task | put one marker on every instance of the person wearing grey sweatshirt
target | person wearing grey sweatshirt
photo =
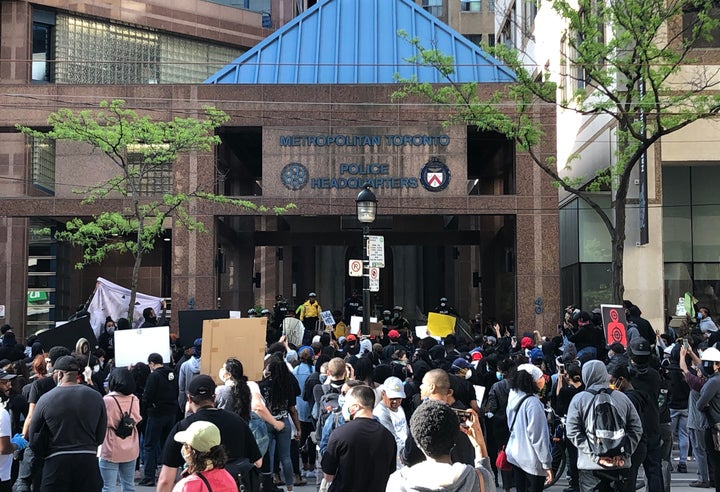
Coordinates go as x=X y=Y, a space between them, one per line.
x=596 y=471
x=528 y=448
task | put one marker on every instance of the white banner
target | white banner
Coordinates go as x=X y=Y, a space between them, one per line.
x=112 y=300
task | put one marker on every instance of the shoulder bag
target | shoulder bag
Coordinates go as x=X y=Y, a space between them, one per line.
x=501 y=461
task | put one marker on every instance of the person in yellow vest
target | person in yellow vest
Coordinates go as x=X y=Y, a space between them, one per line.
x=310 y=313
x=341 y=329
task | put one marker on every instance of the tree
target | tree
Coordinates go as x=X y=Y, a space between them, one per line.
x=140 y=148
x=633 y=61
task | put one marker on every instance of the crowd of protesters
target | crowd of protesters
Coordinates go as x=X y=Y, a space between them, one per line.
x=351 y=412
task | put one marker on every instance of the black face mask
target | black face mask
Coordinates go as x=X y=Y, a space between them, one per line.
x=708 y=368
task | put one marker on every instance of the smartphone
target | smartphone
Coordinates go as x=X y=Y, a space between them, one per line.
x=514 y=339
x=463 y=416
x=686 y=344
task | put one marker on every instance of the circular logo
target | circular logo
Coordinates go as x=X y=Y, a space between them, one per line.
x=294 y=176
x=435 y=175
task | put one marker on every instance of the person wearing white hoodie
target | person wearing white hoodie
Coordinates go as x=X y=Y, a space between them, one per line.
x=528 y=448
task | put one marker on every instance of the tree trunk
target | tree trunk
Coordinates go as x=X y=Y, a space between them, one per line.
x=618 y=251
x=140 y=251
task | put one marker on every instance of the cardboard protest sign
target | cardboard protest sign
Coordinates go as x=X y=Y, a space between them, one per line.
x=133 y=346
x=440 y=325
x=243 y=339
x=614 y=324
x=190 y=323
x=68 y=334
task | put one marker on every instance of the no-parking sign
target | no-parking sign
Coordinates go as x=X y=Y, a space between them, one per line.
x=374 y=279
x=355 y=268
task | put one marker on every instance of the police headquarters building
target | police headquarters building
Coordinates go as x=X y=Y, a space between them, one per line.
x=464 y=213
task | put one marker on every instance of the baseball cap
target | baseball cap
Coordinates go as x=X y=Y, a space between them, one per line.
x=201 y=385
x=6 y=375
x=351 y=338
x=393 y=334
x=536 y=354
x=66 y=363
x=526 y=343
x=477 y=355
x=393 y=388
x=460 y=363
x=640 y=346
x=312 y=294
x=200 y=435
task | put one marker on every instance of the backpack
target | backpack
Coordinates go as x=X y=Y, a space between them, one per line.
x=126 y=425
x=245 y=473
x=329 y=403
x=604 y=426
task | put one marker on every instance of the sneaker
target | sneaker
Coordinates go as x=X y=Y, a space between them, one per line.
x=699 y=485
x=146 y=482
x=681 y=468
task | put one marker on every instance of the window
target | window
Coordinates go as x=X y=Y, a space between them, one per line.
x=150 y=179
x=491 y=39
x=435 y=7
x=689 y=21
x=530 y=9
x=470 y=5
x=42 y=44
x=491 y=5
x=43 y=164
x=475 y=38
x=88 y=51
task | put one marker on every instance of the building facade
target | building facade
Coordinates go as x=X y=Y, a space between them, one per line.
x=463 y=213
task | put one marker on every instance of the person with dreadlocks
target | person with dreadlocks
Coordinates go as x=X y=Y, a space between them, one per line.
x=279 y=389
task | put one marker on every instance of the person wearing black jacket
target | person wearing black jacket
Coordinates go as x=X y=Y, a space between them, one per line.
x=160 y=399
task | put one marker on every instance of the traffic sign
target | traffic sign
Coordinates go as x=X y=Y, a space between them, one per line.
x=355 y=268
x=374 y=279
x=376 y=251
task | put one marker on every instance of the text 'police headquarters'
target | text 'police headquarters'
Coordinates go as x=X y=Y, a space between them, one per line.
x=362 y=140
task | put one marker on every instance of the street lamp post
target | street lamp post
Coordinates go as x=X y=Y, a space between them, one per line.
x=366 y=204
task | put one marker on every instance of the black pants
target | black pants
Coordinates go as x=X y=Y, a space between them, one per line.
x=527 y=482
x=603 y=480
x=29 y=473
x=156 y=432
x=653 y=464
x=713 y=459
x=71 y=473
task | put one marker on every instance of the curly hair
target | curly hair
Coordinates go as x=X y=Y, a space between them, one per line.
x=240 y=390
x=522 y=381
x=434 y=426
x=199 y=462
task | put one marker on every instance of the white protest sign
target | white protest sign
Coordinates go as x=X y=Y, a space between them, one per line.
x=356 y=323
x=327 y=318
x=133 y=346
x=479 y=393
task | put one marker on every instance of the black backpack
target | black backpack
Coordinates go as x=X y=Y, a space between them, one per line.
x=604 y=426
x=126 y=425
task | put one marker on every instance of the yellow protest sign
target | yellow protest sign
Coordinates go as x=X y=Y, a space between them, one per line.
x=440 y=325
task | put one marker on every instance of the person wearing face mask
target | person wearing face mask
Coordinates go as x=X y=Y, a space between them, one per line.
x=399 y=322
x=205 y=458
x=496 y=417
x=445 y=308
x=709 y=403
x=528 y=448
x=569 y=384
x=361 y=454
x=705 y=321
x=106 y=341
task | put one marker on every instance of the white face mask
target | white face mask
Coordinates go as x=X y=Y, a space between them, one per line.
x=346 y=412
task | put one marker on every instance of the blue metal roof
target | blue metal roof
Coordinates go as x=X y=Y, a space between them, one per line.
x=357 y=42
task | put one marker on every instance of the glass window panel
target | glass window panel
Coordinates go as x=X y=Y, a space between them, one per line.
x=678 y=280
x=595 y=285
x=569 y=236
x=706 y=287
x=676 y=185
x=43 y=164
x=94 y=52
x=677 y=233
x=595 y=244
x=704 y=185
x=705 y=237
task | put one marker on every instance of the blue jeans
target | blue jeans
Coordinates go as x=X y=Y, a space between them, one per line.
x=110 y=472
x=678 y=420
x=157 y=429
x=282 y=441
x=697 y=438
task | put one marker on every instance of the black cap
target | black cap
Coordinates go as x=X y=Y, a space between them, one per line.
x=201 y=385
x=6 y=375
x=640 y=346
x=66 y=363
